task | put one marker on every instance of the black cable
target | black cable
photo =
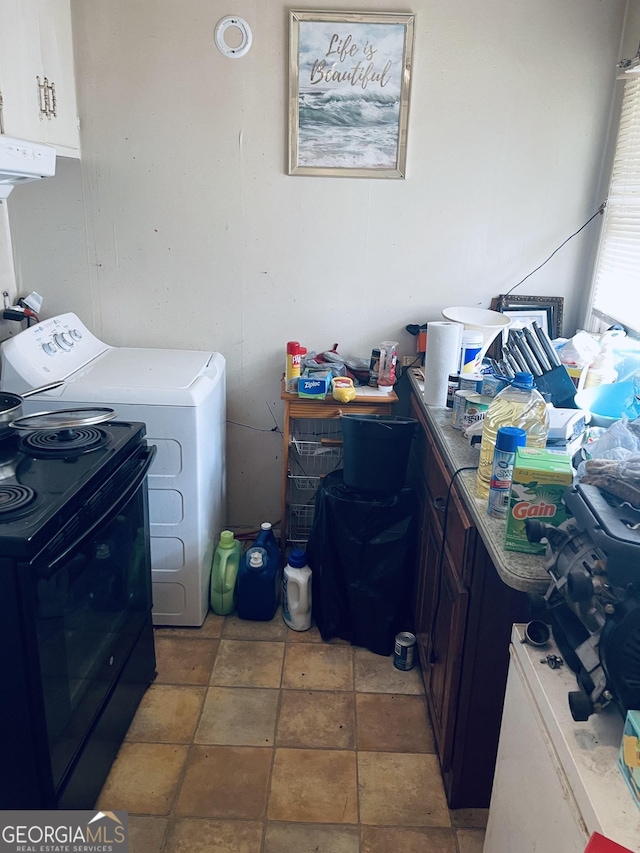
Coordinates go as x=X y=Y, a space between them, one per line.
x=600 y=211
x=434 y=616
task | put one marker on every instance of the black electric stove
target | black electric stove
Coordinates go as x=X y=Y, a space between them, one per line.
x=75 y=607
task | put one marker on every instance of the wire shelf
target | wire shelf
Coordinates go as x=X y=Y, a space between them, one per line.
x=303 y=483
x=300 y=521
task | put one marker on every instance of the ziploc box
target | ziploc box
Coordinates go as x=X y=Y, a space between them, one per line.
x=314 y=385
x=540 y=477
x=629 y=757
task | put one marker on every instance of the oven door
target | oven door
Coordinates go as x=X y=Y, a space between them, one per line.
x=91 y=602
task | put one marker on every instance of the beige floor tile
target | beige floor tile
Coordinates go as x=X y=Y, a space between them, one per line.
x=313 y=636
x=313 y=786
x=314 y=718
x=392 y=722
x=225 y=782
x=248 y=664
x=144 y=778
x=146 y=834
x=470 y=840
x=377 y=674
x=243 y=629
x=318 y=667
x=469 y=818
x=190 y=835
x=167 y=714
x=401 y=790
x=385 y=839
x=299 y=838
x=184 y=661
x=210 y=629
x=240 y=716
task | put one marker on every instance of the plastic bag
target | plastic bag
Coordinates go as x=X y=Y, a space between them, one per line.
x=361 y=553
x=619 y=443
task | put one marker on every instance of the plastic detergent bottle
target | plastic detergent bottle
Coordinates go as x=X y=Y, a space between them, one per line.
x=224 y=574
x=259 y=577
x=296 y=592
x=518 y=405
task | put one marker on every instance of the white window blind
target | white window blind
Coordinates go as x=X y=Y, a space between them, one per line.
x=617 y=277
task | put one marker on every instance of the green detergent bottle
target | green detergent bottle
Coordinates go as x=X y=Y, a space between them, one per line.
x=224 y=573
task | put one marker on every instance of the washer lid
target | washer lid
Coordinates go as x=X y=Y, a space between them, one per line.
x=145 y=368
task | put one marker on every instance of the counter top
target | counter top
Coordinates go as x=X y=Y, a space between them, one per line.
x=525 y=572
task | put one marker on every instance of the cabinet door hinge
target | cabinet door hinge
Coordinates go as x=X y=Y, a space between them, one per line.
x=47 y=98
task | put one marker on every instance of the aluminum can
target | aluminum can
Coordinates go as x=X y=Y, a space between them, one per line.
x=404 y=651
x=452 y=387
x=459 y=400
x=374 y=367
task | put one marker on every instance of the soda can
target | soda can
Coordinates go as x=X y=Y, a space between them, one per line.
x=404 y=651
x=374 y=367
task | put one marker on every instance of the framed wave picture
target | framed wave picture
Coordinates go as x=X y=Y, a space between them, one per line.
x=349 y=81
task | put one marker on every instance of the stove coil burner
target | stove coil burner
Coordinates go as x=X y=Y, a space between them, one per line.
x=15 y=501
x=64 y=442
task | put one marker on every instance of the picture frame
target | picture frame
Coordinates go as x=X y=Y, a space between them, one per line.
x=547 y=310
x=349 y=85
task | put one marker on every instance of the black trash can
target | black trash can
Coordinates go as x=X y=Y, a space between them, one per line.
x=376 y=451
x=362 y=554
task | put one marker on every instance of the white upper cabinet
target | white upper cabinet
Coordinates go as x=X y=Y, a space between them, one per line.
x=37 y=82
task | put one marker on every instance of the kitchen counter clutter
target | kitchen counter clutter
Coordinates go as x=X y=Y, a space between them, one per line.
x=520 y=571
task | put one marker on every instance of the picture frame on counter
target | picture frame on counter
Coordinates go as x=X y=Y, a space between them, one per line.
x=546 y=310
x=349 y=85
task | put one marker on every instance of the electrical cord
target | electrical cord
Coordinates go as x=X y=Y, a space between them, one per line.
x=434 y=618
x=599 y=211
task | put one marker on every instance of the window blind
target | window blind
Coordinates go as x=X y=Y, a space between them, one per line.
x=617 y=277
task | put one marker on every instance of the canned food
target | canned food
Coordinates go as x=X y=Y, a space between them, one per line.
x=404 y=651
x=475 y=407
x=459 y=399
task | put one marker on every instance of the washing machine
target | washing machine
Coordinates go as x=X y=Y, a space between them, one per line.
x=181 y=396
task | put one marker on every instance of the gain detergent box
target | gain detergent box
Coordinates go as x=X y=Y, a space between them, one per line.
x=540 y=477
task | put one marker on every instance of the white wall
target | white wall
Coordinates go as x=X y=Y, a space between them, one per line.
x=197 y=237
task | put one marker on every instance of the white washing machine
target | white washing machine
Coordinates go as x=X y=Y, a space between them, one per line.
x=181 y=396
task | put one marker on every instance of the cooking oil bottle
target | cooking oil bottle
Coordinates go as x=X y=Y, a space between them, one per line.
x=517 y=405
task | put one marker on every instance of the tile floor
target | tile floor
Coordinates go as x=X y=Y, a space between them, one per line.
x=258 y=739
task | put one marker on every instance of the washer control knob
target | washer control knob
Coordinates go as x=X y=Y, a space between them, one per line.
x=61 y=343
x=66 y=337
x=49 y=348
x=75 y=334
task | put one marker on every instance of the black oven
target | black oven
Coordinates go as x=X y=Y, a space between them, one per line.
x=75 y=612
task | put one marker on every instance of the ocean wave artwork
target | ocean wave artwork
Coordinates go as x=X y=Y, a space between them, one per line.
x=349 y=94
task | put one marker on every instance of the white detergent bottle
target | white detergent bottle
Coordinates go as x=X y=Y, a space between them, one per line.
x=296 y=592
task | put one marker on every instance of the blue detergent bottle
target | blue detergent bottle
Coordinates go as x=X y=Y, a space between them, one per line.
x=259 y=578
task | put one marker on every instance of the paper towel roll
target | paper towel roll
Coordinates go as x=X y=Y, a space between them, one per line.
x=441 y=359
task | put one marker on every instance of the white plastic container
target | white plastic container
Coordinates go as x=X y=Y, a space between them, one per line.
x=296 y=592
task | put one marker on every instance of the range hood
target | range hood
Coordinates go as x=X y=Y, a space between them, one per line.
x=22 y=161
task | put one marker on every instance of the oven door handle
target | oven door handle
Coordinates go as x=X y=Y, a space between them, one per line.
x=146 y=458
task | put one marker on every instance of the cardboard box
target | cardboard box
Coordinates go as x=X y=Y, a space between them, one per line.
x=540 y=478
x=314 y=385
x=629 y=758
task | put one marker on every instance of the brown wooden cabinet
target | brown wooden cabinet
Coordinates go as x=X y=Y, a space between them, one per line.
x=463 y=615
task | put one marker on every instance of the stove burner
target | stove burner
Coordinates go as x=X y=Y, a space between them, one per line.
x=14 y=498
x=65 y=442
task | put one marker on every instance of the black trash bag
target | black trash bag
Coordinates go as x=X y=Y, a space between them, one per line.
x=361 y=553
